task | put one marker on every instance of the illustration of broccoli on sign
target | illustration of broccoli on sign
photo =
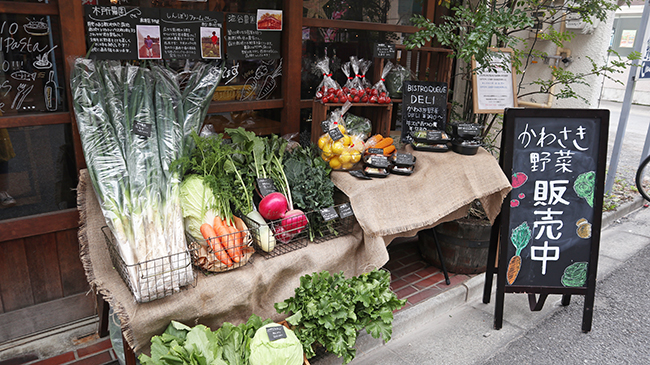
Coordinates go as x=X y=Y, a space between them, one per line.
x=519 y=237
x=585 y=185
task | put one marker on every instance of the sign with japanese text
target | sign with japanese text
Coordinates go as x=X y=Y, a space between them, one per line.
x=424 y=107
x=246 y=40
x=550 y=223
x=129 y=33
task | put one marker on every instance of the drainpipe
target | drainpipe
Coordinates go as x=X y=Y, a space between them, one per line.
x=558 y=54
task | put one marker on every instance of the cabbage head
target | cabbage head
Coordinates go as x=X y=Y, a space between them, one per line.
x=283 y=351
x=198 y=203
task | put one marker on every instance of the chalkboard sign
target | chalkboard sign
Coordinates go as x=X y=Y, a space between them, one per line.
x=424 y=107
x=384 y=50
x=550 y=222
x=122 y=32
x=129 y=33
x=31 y=67
x=245 y=41
x=275 y=333
x=188 y=34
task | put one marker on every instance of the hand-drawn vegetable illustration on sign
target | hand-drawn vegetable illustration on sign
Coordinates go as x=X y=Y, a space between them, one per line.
x=30 y=67
x=553 y=184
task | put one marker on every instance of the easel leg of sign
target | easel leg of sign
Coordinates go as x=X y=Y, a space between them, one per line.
x=491 y=260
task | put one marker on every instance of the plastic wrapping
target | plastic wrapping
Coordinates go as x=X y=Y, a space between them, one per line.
x=340 y=149
x=347 y=71
x=134 y=122
x=328 y=90
x=395 y=80
x=379 y=93
x=359 y=126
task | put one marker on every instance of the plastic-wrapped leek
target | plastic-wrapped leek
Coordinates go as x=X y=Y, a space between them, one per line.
x=133 y=122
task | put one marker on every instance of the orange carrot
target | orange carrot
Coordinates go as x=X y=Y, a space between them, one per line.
x=388 y=150
x=372 y=141
x=217 y=222
x=215 y=243
x=234 y=246
x=513 y=269
x=384 y=143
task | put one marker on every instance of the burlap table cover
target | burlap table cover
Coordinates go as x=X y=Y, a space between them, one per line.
x=398 y=206
x=225 y=297
x=440 y=190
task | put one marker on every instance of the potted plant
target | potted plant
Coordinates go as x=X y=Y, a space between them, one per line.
x=535 y=30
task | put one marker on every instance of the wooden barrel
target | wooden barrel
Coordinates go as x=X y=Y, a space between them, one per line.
x=464 y=244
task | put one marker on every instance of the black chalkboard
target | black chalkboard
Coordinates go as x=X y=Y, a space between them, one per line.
x=191 y=34
x=119 y=32
x=31 y=67
x=384 y=50
x=245 y=41
x=550 y=222
x=424 y=107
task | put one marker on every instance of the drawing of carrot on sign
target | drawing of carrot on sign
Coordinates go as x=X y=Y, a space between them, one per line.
x=519 y=237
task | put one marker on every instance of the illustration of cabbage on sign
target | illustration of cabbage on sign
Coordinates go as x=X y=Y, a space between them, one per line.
x=575 y=275
x=519 y=237
x=585 y=185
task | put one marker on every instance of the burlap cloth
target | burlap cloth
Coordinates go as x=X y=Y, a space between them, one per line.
x=225 y=297
x=440 y=190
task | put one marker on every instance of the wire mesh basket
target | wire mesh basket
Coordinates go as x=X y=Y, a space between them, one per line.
x=284 y=239
x=222 y=253
x=152 y=279
x=332 y=223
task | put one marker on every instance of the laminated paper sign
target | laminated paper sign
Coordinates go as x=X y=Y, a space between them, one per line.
x=245 y=40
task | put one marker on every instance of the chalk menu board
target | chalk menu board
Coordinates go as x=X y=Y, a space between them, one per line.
x=119 y=32
x=129 y=33
x=424 y=107
x=31 y=67
x=551 y=224
x=245 y=41
x=190 y=34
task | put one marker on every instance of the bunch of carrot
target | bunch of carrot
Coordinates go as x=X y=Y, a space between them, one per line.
x=226 y=239
x=379 y=141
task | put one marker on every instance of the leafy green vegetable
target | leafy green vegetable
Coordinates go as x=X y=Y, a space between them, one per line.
x=283 y=351
x=311 y=187
x=330 y=310
x=358 y=126
x=198 y=345
x=199 y=203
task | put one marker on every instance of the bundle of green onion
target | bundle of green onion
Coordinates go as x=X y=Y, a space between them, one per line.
x=134 y=122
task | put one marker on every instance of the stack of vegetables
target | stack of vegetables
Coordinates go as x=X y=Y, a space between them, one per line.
x=134 y=122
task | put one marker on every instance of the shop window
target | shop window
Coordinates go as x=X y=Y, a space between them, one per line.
x=37 y=170
x=241 y=6
x=338 y=44
x=374 y=11
x=263 y=122
x=31 y=65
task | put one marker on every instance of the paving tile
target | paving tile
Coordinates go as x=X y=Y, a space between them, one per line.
x=411 y=278
x=392 y=265
x=18 y=360
x=424 y=294
x=431 y=281
x=405 y=292
x=455 y=280
x=57 y=360
x=97 y=359
x=427 y=271
x=398 y=284
x=403 y=271
x=95 y=348
x=410 y=259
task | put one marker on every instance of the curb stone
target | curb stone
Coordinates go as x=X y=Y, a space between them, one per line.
x=471 y=289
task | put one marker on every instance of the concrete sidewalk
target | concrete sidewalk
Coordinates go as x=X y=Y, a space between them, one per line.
x=455 y=327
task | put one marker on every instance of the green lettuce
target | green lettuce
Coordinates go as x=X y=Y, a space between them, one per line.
x=198 y=203
x=283 y=351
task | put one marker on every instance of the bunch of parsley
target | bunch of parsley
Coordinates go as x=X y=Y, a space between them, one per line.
x=311 y=188
x=330 y=310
